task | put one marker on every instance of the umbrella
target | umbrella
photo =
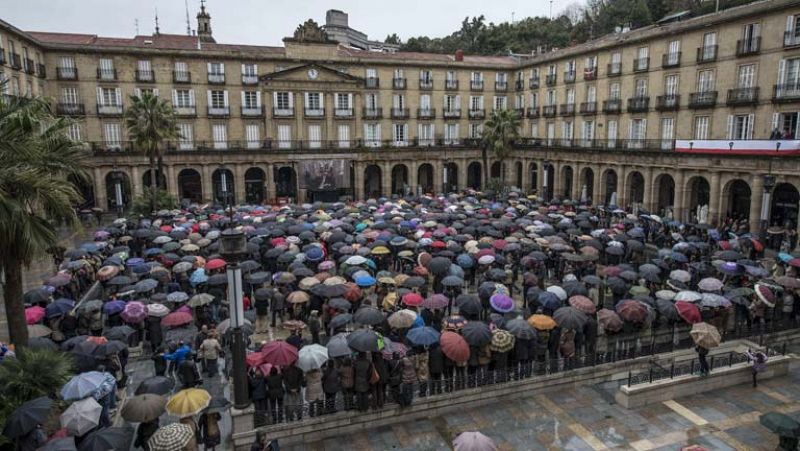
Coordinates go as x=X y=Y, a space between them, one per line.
x=59 y=307
x=667 y=309
x=172 y=437
x=710 y=284
x=542 y=322
x=279 y=353
x=502 y=341
x=120 y=333
x=788 y=282
x=38 y=330
x=762 y=291
x=337 y=346
x=82 y=385
x=781 y=424
x=452 y=281
x=437 y=301
x=27 y=416
x=469 y=304
x=340 y=320
x=632 y=310
x=188 y=402
x=298 y=297
x=312 y=357
x=501 y=303
x=570 y=318
x=60 y=444
x=454 y=322
x=476 y=333
x=680 y=275
x=364 y=340
x=293 y=324
x=583 y=304
x=81 y=416
x=34 y=314
x=143 y=286
x=713 y=300
x=391 y=348
x=135 y=312
x=199 y=300
x=143 y=408
x=177 y=318
x=157 y=310
x=454 y=346
x=520 y=328
x=473 y=441
x=705 y=335
x=412 y=299
x=218 y=405
x=422 y=336
x=215 y=263
x=609 y=320
x=688 y=296
x=157 y=385
x=402 y=319
x=177 y=297
x=105 y=439
x=688 y=311
x=369 y=316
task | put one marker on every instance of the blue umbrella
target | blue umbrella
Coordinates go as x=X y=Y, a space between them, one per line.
x=134 y=261
x=314 y=254
x=784 y=257
x=153 y=251
x=549 y=301
x=365 y=281
x=198 y=276
x=82 y=385
x=423 y=336
x=113 y=307
x=465 y=261
x=140 y=269
x=678 y=257
x=59 y=307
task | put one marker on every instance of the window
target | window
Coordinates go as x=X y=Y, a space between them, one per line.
x=400 y=134
x=343 y=132
x=571 y=66
x=372 y=134
x=109 y=97
x=590 y=63
x=186 y=139
x=789 y=73
x=181 y=71
x=371 y=73
x=587 y=133
x=183 y=98
x=641 y=88
x=567 y=131
x=283 y=102
x=709 y=50
x=343 y=101
x=107 y=69
x=519 y=101
x=476 y=77
x=66 y=62
x=705 y=81
x=425 y=102
x=641 y=58
x=476 y=103
x=750 y=33
x=667 y=132
x=371 y=101
x=69 y=95
x=284 y=136
x=500 y=102
x=139 y=92
x=616 y=58
x=220 y=134
x=551 y=97
x=315 y=136
x=501 y=77
x=740 y=126
x=426 y=76
x=15 y=86
x=570 y=96
x=551 y=69
x=74 y=132
x=534 y=129
x=398 y=101
x=475 y=130
x=112 y=134
x=613 y=91
x=612 y=132
x=638 y=129
x=250 y=70
x=452 y=103
x=426 y=135
x=145 y=70
x=451 y=134
x=534 y=100
x=217 y=99
x=216 y=69
x=314 y=100
x=671 y=85
x=793 y=28
x=451 y=75
x=591 y=93
x=701 y=127
x=398 y=73
x=551 y=132
x=746 y=76
x=673 y=53
x=251 y=99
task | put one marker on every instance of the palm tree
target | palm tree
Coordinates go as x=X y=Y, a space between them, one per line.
x=150 y=121
x=38 y=161
x=499 y=134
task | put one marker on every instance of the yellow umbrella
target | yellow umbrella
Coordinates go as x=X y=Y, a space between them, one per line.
x=541 y=322
x=389 y=301
x=387 y=280
x=380 y=250
x=188 y=402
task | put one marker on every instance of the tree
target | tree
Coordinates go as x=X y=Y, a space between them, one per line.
x=393 y=39
x=499 y=133
x=150 y=122
x=38 y=163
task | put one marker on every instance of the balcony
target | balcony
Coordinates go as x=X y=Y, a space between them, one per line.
x=70 y=109
x=452 y=113
x=786 y=93
x=185 y=111
x=520 y=112
x=567 y=109
x=253 y=111
x=549 y=110
x=179 y=76
x=668 y=102
x=706 y=54
x=742 y=96
x=533 y=82
x=590 y=73
x=501 y=86
x=671 y=60
x=249 y=79
x=426 y=113
x=476 y=85
x=109 y=110
x=106 y=74
x=569 y=76
x=588 y=108
x=426 y=84
x=550 y=79
x=41 y=70
x=533 y=112
x=278 y=112
x=343 y=113
x=701 y=100
x=399 y=113
x=372 y=82
x=30 y=66
x=145 y=76
x=641 y=64
x=66 y=73
x=745 y=47
x=372 y=113
x=519 y=84
x=15 y=61
x=216 y=79
x=614 y=70
x=451 y=85
x=791 y=39
x=219 y=111
x=638 y=104
x=477 y=113
x=314 y=113
x=398 y=83
x=613 y=106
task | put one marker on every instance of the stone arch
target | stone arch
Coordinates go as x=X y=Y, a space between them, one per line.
x=736 y=198
x=190 y=185
x=400 y=179
x=587 y=185
x=548 y=182
x=161 y=180
x=254 y=179
x=664 y=186
x=496 y=171
x=698 y=191
x=86 y=190
x=372 y=181
x=450 y=177
x=518 y=173
x=784 y=205
x=609 y=187
x=286 y=182
x=635 y=192
x=425 y=177
x=567 y=175
x=118 y=190
x=474 y=175
x=533 y=169
x=223 y=186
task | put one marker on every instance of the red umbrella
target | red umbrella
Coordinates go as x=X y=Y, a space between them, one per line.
x=34 y=314
x=757 y=245
x=279 y=353
x=612 y=271
x=794 y=262
x=176 y=319
x=688 y=311
x=353 y=293
x=215 y=263
x=609 y=320
x=254 y=359
x=454 y=346
x=412 y=299
x=583 y=304
x=632 y=310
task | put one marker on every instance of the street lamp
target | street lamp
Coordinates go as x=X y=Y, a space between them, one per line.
x=769 y=183
x=232 y=248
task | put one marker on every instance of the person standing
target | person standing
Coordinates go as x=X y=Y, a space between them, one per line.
x=701 y=356
x=293 y=381
x=347 y=377
x=759 y=361
x=362 y=370
x=314 y=326
x=210 y=350
x=314 y=392
x=143 y=434
x=409 y=379
x=209 y=430
x=331 y=384
x=275 y=393
x=277 y=305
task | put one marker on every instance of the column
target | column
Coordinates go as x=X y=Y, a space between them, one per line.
x=386 y=179
x=238 y=171
x=622 y=187
x=208 y=185
x=555 y=185
x=438 y=176
x=100 y=197
x=756 y=197
x=540 y=179
x=462 y=173
x=136 y=181
x=357 y=134
x=526 y=177
x=577 y=184
x=172 y=182
x=649 y=189
x=598 y=197
x=413 y=168
x=359 y=180
x=680 y=194
x=713 y=199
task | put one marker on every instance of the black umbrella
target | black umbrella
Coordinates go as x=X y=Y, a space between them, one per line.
x=781 y=424
x=452 y=281
x=415 y=282
x=108 y=439
x=120 y=333
x=667 y=309
x=36 y=296
x=120 y=281
x=369 y=316
x=27 y=416
x=340 y=304
x=496 y=274
x=468 y=304
x=143 y=286
x=329 y=291
x=60 y=444
x=257 y=278
x=520 y=329
x=476 y=333
x=157 y=385
x=70 y=343
x=42 y=343
x=570 y=318
x=439 y=265
x=110 y=348
x=340 y=320
x=364 y=340
x=217 y=280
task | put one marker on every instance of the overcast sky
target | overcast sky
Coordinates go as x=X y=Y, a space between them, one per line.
x=263 y=22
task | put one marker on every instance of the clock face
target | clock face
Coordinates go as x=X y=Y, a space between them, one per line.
x=312 y=74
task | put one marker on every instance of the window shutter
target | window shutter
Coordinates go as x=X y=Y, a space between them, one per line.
x=155 y=92
x=274 y=100
x=243 y=69
x=630 y=130
x=775 y=120
x=255 y=68
x=790 y=23
x=291 y=99
x=748 y=134
x=242 y=104
x=458 y=104
x=191 y=98
x=208 y=67
x=99 y=96
x=225 y=97
x=258 y=99
x=208 y=99
x=782 y=72
x=730 y=126
x=222 y=68
x=118 y=95
x=174 y=97
x=137 y=92
x=305 y=95
x=456 y=132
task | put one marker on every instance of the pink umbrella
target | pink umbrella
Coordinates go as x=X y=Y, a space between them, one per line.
x=135 y=312
x=175 y=319
x=279 y=353
x=34 y=314
x=412 y=299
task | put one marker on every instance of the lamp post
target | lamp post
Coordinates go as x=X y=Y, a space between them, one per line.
x=766 y=202
x=118 y=200
x=232 y=248
x=546 y=181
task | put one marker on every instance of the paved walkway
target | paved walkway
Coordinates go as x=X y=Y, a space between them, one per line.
x=586 y=418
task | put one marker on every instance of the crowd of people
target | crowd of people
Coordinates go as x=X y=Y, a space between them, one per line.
x=352 y=306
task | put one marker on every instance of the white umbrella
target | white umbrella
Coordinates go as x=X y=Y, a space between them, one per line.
x=82 y=416
x=473 y=441
x=312 y=357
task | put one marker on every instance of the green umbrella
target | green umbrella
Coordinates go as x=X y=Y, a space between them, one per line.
x=781 y=424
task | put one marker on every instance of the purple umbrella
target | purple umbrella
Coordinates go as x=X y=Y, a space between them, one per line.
x=501 y=303
x=134 y=312
x=59 y=280
x=437 y=301
x=113 y=307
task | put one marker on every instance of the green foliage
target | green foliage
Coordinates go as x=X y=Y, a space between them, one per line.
x=497 y=185
x=163 y=201
x=393 y=39
x=500 y=131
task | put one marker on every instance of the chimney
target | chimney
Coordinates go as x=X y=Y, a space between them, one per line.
x=459 y=55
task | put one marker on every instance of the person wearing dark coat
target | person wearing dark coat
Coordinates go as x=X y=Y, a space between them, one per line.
x=379 y=389
x=188 y=373
x=154 y=333
x=362 y=369
x=395 y=370
x=436 y=368
x=331 y=385
x=590 y=336
x=277 y=305
x=499 y=366
x=143 y=434
x=258 y=391
x=522 y=356
x=159 y=363
x=293 y=381
x=275 y=392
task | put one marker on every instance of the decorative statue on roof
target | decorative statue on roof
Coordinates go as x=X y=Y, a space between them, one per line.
x=310 y=31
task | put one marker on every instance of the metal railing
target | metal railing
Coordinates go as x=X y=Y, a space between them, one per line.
x=519 y=84
x=638 y=104
x=219 y=111
x=787 y=92
x=614 y=69
x=181 y=76
x=588 y=108
x=66 y=73
x=707 y=54
x=372 y=113
x=106 y=74
x=15 y=60
x=400 y=113
x=30 y=67
x=501 y=86
x=750 y=46
x=705 y=99
x=185 y=110
x=550 y=79
x=567 y=109
x=426 y=113
x=372 y=82
x=145 y=76
x=671 y=59
x=451 y=85
x=109 y=109
x=532 y=112
x=791 y=38
x=314 y=112
x=253 y=111
x=70 y=109
x=41 y=70
x=476 y=85
x=533 y=82
x=282 y=112
x=343 y=112
x=612 y=106
x=477 y=114
x=398 y=83
x=426 y=83
x=549 y=110
x=641 y=64
x=451 y=113
x=216 y=79
x=743 y=96
x=668 y=102
x=249 y=79
x=569 y=76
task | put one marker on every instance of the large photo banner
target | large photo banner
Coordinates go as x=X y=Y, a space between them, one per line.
x=320 y=175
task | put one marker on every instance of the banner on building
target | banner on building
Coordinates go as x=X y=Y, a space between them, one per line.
x=321 y=175
x=739 y=147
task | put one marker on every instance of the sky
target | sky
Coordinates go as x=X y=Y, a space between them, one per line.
x=263 y=22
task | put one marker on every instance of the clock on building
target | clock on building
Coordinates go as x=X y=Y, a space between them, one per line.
x=313 y=73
